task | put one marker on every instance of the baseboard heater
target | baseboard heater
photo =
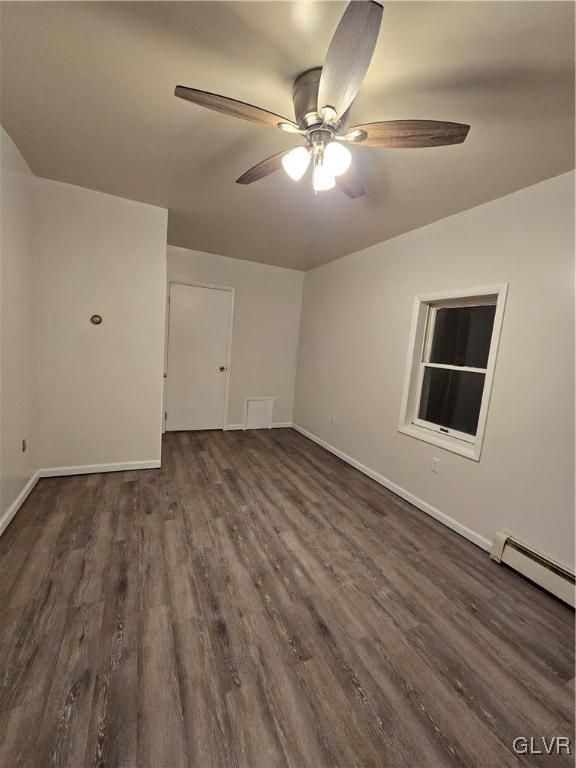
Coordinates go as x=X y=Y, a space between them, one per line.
x=548 y=574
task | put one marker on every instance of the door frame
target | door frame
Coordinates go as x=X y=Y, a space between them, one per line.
x=196 y=284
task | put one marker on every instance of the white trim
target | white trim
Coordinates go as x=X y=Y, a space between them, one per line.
x=446 y=520
x=188 y=281
x=461 y=447
x=467 y=446
x=461 y=294
x=91 y=469
x=230 y=289
x=18 y=501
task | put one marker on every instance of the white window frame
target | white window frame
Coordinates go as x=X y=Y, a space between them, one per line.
x=421 y=335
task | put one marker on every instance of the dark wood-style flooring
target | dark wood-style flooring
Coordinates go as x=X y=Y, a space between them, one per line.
x=257 y=602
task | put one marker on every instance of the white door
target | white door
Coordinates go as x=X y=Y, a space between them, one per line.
x=198 y=341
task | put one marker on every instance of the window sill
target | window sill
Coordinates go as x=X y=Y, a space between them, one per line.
x=468 y=450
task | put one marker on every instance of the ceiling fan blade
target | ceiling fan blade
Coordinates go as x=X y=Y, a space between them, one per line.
x=265 y=168
x=350 y=183
x=232 y=107
x=411 y=133
x=349 y=55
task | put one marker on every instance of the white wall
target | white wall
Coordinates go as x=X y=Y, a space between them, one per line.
x=17 y=342
x=99 y=387
x=353 y=347
x=267 y=308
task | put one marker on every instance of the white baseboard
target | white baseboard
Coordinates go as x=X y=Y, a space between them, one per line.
x=276 y=425
x=18 y=501
x=91 y=469
x=87 y=469
x=454 y=525
x=448 y=521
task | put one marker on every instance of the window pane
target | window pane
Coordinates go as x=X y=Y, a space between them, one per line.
x=462 y=336
x=452 y=399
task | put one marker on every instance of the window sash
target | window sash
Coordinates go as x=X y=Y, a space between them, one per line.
x=445 y=431
x=425 y=363
x=431 y=326
x=465 y=368
x=422 y=312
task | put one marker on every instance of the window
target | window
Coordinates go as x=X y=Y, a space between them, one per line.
x=452 y=354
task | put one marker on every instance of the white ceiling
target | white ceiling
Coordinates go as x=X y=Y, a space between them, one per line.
x=87 y=95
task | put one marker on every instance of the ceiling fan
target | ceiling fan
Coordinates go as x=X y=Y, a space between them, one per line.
x=322 y=98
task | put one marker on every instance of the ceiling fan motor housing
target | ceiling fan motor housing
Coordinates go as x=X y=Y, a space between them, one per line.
x=305 y=97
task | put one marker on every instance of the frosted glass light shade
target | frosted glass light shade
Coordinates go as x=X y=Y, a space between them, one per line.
x=322 y=179
x=296 y=162
x=337 y=158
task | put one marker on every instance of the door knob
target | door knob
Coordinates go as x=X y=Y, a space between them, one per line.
x=222 y=368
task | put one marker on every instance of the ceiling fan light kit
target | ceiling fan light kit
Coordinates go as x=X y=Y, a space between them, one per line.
x=337 y=158
x=322 y=98
x=296 y=162
x=322 y=179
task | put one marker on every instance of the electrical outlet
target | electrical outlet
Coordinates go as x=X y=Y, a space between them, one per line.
x=435 y=467
x=24 y=446
x=333 y=419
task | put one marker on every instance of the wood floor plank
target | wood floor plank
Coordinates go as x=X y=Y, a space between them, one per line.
x=34 y=633
x=112 y=735
x=210 y=739
x=14 y=554
x=161 y=738
x=257 y=602
x=97 y=547
x=18 y=725
x=153 y=590
x=64 y=731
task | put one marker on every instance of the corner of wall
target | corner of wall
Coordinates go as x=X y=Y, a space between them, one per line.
x=18 y=467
